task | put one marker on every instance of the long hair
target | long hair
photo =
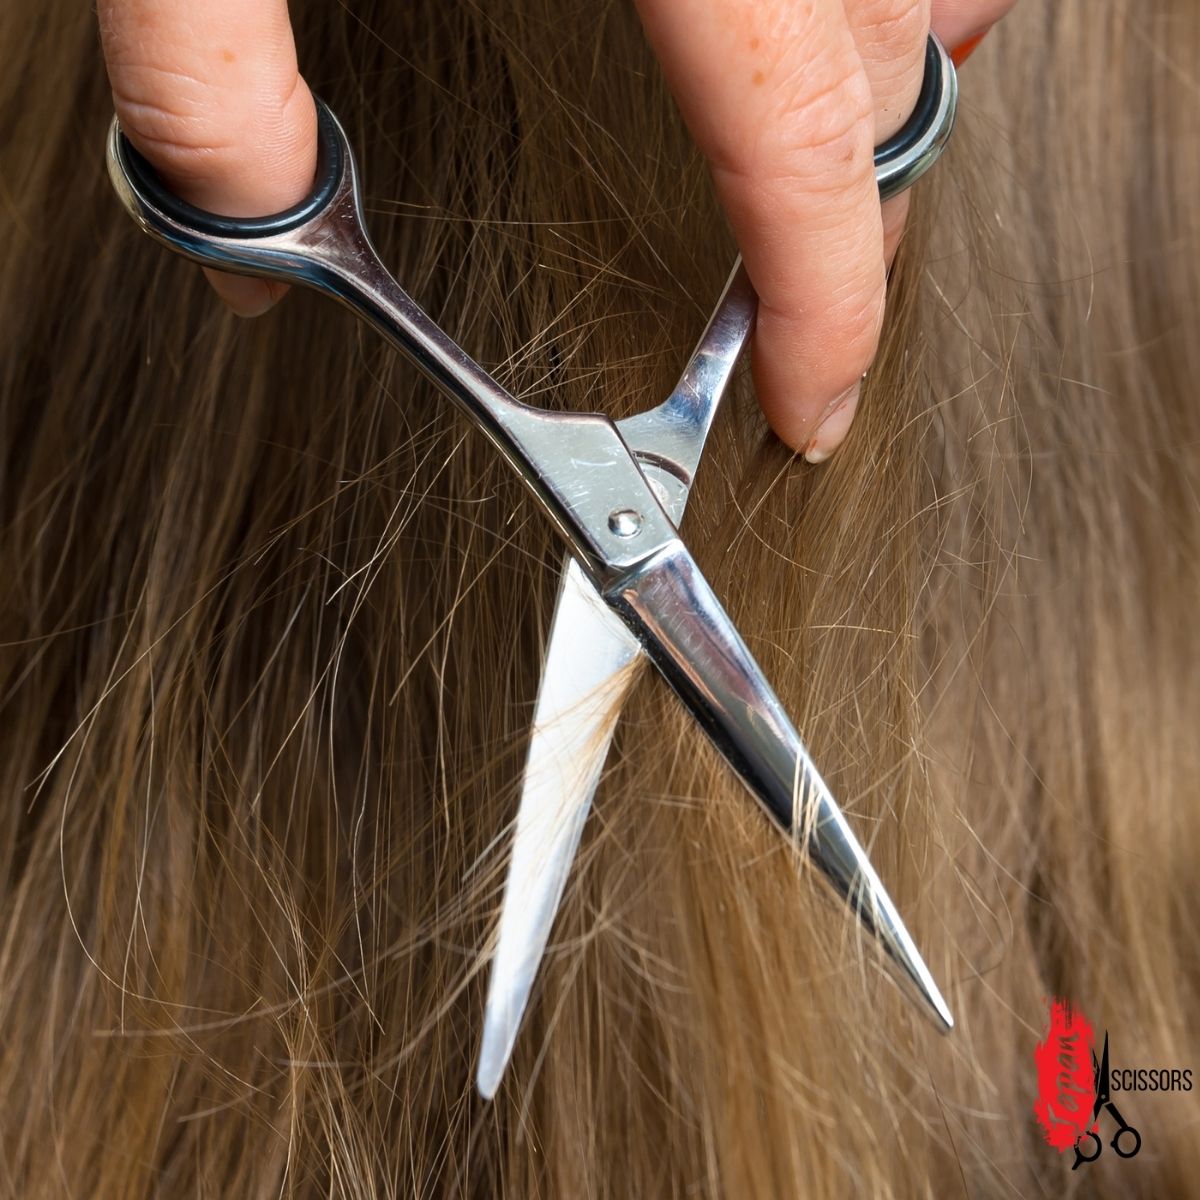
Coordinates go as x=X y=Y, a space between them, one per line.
x=271 y=620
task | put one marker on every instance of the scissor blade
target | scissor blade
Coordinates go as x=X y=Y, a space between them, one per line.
x=674 y=433
x=583 y=685
x=1103 y=1089
x=668 y=603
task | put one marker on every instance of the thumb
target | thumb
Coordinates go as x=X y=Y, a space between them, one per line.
x=211 y=95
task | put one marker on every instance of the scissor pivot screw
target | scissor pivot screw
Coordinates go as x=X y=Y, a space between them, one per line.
x=625 y=522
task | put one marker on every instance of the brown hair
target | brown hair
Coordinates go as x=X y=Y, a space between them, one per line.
x=271 y=621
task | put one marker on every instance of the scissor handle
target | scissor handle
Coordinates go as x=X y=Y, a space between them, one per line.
x=576 y=465
x=1123 y=1128
x=330 y=167
x=908 y=154
x=1080 y=1157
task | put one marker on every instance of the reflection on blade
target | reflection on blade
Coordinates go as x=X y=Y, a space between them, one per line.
x=690 y=638
x=585 y=680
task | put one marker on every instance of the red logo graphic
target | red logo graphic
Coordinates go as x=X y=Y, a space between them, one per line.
x=1066 y=1076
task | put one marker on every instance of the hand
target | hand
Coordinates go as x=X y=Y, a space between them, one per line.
x=787 y=99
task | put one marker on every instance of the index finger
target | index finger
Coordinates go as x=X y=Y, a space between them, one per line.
x=775 y=94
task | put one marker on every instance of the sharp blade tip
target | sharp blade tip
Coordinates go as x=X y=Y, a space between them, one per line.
x=837 y=853
x=912 y=968
x=496 y=1046
x=937 y=1007
x=489 y=1072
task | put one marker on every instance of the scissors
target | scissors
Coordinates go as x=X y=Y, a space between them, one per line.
x=615 y=492
x=1104 y=1100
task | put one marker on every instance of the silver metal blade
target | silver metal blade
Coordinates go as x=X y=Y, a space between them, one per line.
x=586 y=678
x=674 y=433
x=668 y=603
x=584 y=685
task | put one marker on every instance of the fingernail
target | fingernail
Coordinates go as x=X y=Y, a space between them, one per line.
x=834 y=425
x=964 y=50
x=247 y=297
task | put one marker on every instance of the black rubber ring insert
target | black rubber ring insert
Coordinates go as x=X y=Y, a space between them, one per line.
x=328 y=177
x=917 y=125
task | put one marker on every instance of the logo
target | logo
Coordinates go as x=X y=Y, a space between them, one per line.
x=1075 y=1087
x=1066 y=1078
x=1088 y=1147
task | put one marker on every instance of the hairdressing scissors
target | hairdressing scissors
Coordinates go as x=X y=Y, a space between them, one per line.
x=615 y=491
x=1104 y=1100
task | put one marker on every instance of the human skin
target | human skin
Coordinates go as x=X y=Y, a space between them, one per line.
x=786 y=98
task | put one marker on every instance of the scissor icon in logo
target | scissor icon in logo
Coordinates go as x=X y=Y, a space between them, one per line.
x=1103 y=1100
